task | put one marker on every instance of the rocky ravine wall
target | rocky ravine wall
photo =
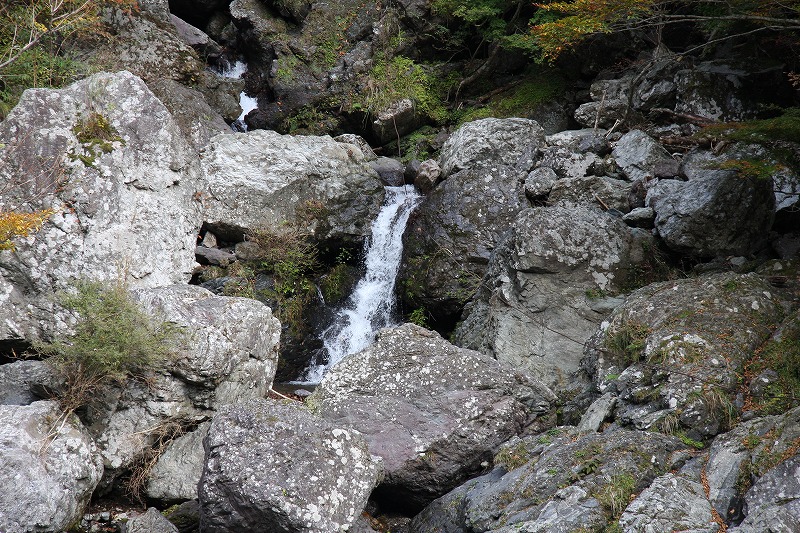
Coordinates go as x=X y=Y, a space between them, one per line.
x=412 y=420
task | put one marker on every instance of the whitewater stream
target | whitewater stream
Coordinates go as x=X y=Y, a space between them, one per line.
x=247 y=103
x=372 y=304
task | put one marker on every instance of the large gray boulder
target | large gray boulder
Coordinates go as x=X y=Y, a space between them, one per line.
x=452 y=234
x=488 y=143
x=111 y=162
x=263 y=180
x=432 y=411
x=545 y=291
x=275 y=467
x=557 y=481
x=230 y=355
x=49 y=467
x=773 y=502
x=715 y=213
x=675 y=351
x=196 y=119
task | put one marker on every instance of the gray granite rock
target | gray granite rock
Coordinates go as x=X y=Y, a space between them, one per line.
x=274 y=466
x=432 y=411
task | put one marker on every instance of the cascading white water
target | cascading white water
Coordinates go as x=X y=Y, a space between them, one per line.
x=371 y=306
x=247 y=103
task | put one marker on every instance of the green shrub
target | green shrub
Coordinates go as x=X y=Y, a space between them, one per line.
x=398 y=78
x=113 y=341
x=419 y=317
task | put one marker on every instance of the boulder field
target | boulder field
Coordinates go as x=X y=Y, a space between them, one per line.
x=617 y=334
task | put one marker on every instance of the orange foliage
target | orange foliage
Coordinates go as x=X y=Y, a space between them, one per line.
x=14 y=224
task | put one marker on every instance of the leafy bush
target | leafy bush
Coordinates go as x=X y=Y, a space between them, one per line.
x=113 y=341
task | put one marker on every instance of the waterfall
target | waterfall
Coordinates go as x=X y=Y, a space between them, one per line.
x=372 y=304
x=247 y=103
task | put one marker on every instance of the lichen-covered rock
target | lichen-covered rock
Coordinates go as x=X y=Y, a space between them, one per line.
x=599 y=191
x=232 y=343
x=196 y=119
x=670 y=503
x=753 y=472
x=675 y=351
x=452 y=234
x=488 y=143
x=712 y=90
x=48 y=469
x=539 y=182
x=149 y=48
x=118 y=173
x=432 y=411
x=533 y=311
x=275 y=467
x=567 y=163
x=177 y=472
x=581 y=141
x=638 y=154
x=773 y=502
x=263 y=180
x=396 y=119
x=556 y=481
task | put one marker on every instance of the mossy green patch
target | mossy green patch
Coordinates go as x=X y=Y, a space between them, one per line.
x=97 y=136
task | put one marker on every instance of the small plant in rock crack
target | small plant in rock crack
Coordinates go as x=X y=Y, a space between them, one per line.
x=626 y=341
x=113 y=341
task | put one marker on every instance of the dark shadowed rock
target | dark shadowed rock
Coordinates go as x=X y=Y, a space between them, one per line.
x=391 y=171
x=432 y=411
x=452 y=233
x=275 y=467
x=716 y=212
x=21 y=382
